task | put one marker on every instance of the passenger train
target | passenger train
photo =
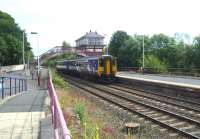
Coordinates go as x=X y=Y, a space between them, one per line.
x=102 y=67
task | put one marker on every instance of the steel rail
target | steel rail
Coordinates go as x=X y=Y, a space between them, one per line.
x=153 y=98
x=148 y=117
x=170 y=97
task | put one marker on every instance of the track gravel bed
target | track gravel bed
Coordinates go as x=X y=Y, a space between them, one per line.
x=168 y=115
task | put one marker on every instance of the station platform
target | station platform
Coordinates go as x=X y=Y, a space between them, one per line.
x=26 y=114
x=182 y=81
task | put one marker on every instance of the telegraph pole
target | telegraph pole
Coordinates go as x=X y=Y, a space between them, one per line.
x=143 y=53
x=23 y=50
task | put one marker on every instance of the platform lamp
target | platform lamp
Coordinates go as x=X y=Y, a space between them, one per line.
x=38 y=69
x=143 y=52
x=23 y=50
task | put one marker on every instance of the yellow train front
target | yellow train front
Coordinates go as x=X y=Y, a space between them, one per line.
x=107 y=67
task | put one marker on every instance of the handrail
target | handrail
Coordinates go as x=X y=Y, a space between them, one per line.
x=60 y=128
x=12 y=85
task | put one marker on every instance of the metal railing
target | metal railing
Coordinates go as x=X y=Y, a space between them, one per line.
x=11 y=86
x=60 y=128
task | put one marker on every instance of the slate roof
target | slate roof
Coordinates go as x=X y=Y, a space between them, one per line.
x=91 y=35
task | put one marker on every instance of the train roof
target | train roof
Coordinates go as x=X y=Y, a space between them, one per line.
x=85 y=58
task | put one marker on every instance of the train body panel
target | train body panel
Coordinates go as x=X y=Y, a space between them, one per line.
x=94 y=67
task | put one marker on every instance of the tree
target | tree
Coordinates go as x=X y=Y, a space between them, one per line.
x=131 y=52
x=161 y=41
x=189 y=57
x=196 y=53
x=117 y=41
x=116 y=46
x=154 y=64
x=66 y=44
x=161 y=51
x=11 y=41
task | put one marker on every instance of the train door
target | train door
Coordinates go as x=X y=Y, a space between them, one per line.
x=100 y=66
x=107 y=66
x=114 y=66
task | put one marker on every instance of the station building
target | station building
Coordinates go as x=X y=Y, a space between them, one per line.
x=90 y=44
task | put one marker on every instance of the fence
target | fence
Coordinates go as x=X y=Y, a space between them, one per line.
x=12 y=85
x=60 y=128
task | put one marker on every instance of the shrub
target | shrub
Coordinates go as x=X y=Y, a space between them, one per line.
x=154 y=64
x=80 y=110
x=58 y=81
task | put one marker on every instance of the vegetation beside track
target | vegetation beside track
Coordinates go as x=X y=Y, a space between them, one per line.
x=84 y=118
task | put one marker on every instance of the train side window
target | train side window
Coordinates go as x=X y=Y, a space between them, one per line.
x=101 y=62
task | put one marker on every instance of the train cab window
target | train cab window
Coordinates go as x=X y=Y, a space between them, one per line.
x=101 y=62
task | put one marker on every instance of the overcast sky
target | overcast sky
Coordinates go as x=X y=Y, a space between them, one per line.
x=58 y=20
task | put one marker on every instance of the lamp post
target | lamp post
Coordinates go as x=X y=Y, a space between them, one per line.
x=38 y=69
x=106 y=45
x=23 y=50
x=143 y=53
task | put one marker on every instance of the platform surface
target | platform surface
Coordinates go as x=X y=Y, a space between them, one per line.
x=23 y=115
x=173 y=80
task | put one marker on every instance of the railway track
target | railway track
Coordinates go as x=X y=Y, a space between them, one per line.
x=194 y=102
x=158 y=111
x=184 y=108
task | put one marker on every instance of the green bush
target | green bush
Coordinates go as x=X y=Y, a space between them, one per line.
x=153 y=64
x=58 y=81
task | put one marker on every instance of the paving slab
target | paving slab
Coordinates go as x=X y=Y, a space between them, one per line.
x=22 y=116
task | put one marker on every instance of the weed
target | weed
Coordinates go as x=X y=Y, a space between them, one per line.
x=91 y=131
x=108 y=132
x=58 y=81
x=80 y=110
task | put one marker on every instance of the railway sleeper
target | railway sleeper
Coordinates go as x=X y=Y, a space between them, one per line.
x=178 y=124
x=173 y=135
x=153 y=126
x=197 y=133
x=143 y=110
x=162 y=117
x=198 y=115
x=149 y=112
x=188 y=128
x=154 y=115
x=137 y=107
x=191 y=112
x=168 y=120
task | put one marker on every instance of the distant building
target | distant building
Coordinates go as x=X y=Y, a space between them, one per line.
x=90 y=44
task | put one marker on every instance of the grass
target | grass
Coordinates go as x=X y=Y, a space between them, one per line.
x=58 y=81
x=80 y=110
x=84 y=118
x=90 y=126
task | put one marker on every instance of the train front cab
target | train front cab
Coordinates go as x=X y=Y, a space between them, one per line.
x=107 y=67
